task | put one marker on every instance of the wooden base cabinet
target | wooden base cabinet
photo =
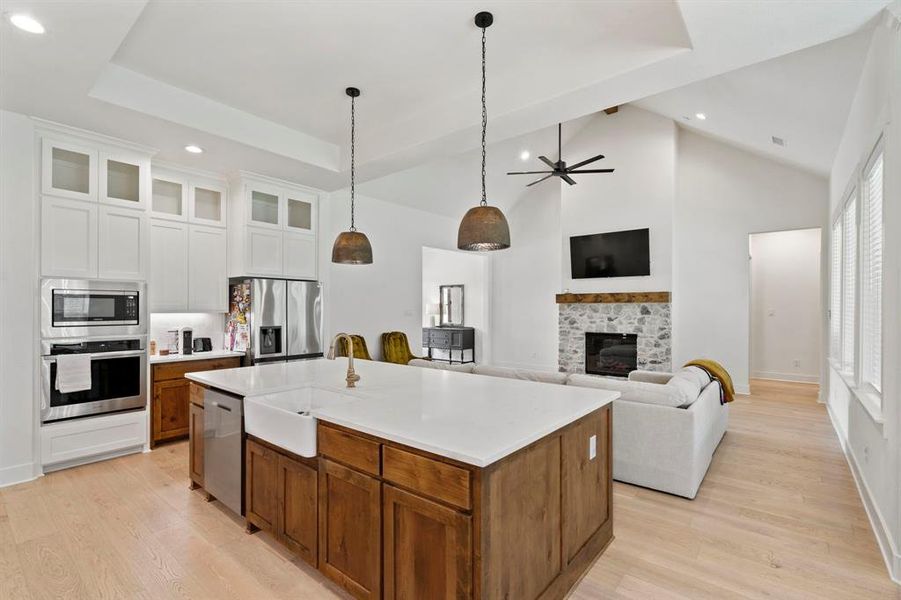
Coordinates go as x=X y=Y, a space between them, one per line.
x=350 y=511
x=281 y=497
x=171 y=395
x=427 y=548
x=195 y=447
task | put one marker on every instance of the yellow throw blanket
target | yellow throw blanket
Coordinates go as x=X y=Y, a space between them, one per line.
x=716 y=371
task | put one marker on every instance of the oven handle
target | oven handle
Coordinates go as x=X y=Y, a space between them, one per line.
x=96 y=355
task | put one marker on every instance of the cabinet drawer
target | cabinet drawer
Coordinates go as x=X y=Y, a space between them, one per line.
x=177 y=370
x=357 y=452
x=427 y=476
x=439 y=339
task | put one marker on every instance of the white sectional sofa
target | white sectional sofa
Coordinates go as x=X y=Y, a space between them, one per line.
x=666 y=426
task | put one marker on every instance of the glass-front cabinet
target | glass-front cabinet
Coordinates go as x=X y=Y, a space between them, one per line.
x=124 y=179
x=301 y=209
x=168 y=198
x=68 y=170
x=208 y=204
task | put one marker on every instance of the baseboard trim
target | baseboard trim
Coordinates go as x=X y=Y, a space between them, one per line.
x=886 y=547
x=795 y=377
x=17 y=474
x=742 y=390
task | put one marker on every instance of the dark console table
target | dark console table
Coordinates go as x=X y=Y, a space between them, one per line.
x=450 y=339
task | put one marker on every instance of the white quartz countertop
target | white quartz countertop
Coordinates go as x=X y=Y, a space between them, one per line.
x=171 y=358
x=475 y=419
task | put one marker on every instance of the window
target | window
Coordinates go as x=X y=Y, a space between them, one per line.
x=835 y=294
x=849 y=285
x=871 y=274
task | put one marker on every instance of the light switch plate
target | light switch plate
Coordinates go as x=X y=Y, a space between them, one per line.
x=592 y=447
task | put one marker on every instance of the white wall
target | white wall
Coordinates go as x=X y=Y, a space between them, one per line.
x=641 y=146
x=786 y=315
x=386 y=295
x=873 y=442
x=472 y=270
x=525 y=279
x=723 y=194
x=18 y=291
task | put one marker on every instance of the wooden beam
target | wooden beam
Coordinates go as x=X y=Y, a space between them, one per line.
x=612 y=110
x=614 y=298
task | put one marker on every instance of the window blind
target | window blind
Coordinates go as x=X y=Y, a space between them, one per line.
x=849 y=284
x=835 y=294
x=871 y=290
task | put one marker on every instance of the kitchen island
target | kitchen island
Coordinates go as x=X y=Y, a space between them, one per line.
x=429 y=483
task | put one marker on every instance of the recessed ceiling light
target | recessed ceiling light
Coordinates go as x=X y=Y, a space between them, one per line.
x=524 y=155
x=26 y=23
x=194 y=149
x=701 y=116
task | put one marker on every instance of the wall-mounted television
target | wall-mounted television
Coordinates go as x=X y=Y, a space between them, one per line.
x=613 y=254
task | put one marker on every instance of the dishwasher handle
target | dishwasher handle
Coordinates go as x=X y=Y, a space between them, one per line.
x=222 y=406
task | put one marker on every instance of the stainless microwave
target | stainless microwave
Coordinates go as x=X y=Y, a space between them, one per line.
x=80 y=308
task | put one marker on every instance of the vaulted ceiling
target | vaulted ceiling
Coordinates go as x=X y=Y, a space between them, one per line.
x=259 y=85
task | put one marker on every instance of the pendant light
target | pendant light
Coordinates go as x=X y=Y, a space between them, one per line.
x=483 y=227
x=352 y=247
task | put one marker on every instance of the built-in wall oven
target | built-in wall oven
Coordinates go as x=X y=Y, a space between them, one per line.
x=118 y=378
x=104 y=323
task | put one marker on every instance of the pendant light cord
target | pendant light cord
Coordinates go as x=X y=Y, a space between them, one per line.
x=353 y=124
x=484 y=121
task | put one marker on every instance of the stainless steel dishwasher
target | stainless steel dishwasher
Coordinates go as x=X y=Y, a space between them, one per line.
x=222 y=448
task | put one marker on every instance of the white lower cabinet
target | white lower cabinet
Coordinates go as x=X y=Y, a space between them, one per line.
x=68 y=238
x=300 y=255
x=81 y=440
x=168 y=285
x=208 y=277
x=264 y=251
x=123 y=243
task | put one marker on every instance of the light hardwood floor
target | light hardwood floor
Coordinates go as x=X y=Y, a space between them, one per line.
x=778 y=516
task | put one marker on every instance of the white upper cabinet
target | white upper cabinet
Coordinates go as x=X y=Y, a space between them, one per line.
x=68 y=238
x=168 y=279
x=168 y=198
x=208 y=203
x=264 y=206
x=68 y=170
x=272 y=228
x=208 y=277
x=124 y=179
x=95 y=192
x=299 y=255
x=124 y=243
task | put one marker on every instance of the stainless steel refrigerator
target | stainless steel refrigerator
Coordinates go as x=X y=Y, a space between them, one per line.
x=274 y=319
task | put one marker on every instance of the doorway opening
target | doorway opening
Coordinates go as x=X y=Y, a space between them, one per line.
x=786 y=320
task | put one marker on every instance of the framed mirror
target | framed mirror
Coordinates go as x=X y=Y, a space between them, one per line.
x=451 y=305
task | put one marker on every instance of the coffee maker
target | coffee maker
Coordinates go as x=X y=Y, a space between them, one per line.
x=186 y=340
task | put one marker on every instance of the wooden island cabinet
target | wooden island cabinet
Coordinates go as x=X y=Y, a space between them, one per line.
x=384 y=520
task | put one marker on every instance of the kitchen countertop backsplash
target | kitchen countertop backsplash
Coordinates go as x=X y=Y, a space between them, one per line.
x=211 y=325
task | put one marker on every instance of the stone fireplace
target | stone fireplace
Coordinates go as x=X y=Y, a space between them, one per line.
x=638 y=320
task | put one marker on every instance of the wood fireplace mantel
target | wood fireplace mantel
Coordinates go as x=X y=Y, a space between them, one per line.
x=614 y=298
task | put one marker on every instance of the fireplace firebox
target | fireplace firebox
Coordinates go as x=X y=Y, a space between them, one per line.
x=613 y=354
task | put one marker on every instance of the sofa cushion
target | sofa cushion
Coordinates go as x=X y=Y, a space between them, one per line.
x=632 y=391
x=526 y=374
x=689 y=382
x=441 y=366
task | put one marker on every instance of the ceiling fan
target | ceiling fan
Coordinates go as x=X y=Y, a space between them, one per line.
x=559 y=168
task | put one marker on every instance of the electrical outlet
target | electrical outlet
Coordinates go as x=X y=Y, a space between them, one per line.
x=796 y=363
x=866 y=454
x=592 y=447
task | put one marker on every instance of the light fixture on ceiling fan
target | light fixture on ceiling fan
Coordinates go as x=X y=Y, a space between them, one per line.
x=483 y=227
x=559 y=168
x=352 y=247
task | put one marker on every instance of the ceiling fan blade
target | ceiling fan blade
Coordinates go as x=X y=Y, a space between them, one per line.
x=585 y=162
x=547 y=161
x=567 y=179
x=540 y=180
x=592 y=171
x=528 y=172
